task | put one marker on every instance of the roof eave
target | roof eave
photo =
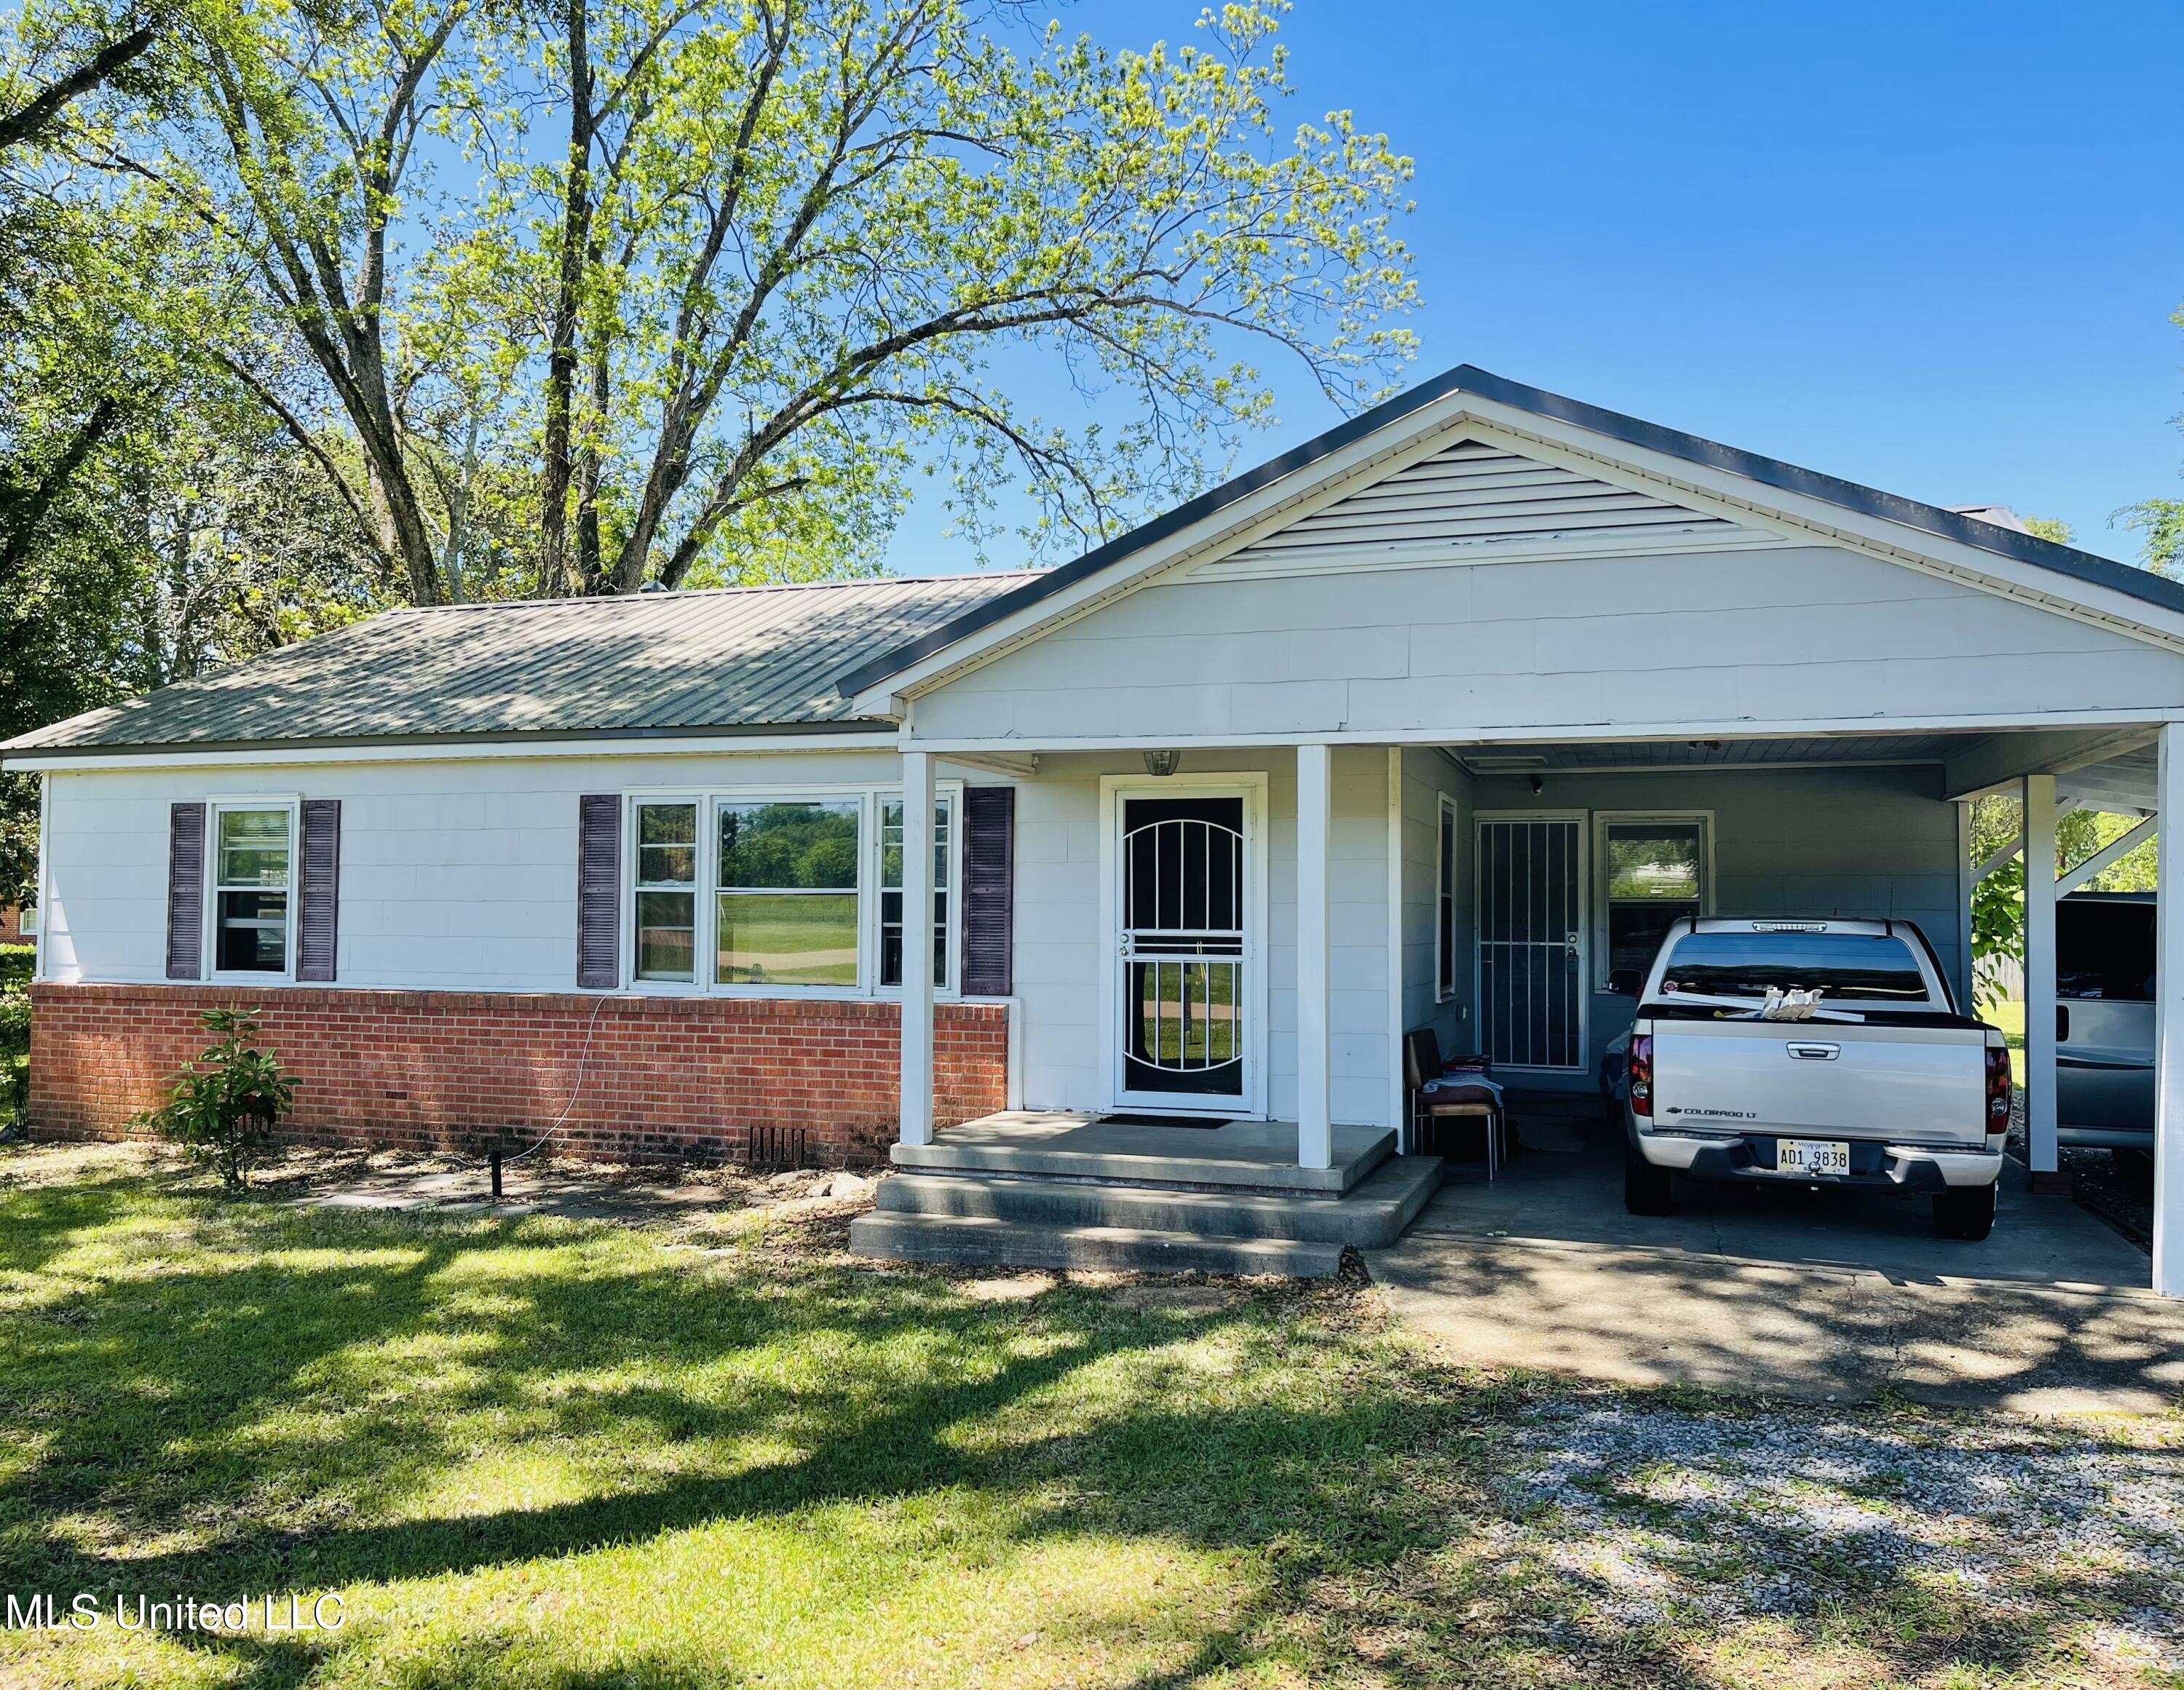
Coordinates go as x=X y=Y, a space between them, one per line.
x=862 y=685
x=18 y=755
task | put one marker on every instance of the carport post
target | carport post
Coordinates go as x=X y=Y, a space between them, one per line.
x=2169 y=1019
x=2040 y=979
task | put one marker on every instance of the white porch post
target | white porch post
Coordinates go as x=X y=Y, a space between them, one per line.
x=2169 y=1018
x=1315 y=811
x=916 y=1115
x=2040 y=977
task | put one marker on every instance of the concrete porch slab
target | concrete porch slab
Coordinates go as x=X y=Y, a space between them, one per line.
x=1247 y=1155
x=1787 y=1293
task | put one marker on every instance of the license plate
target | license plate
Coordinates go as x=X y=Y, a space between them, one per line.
x=1812 y=1156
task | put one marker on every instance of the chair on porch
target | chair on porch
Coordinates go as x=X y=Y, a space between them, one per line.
x=1436 y=1096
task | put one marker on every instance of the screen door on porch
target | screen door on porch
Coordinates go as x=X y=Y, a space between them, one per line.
x=1530 y=943
x=1182 y=947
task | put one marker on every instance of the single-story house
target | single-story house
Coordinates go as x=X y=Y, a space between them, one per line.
x=1435 y=721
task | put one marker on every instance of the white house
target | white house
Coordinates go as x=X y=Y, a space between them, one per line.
x=1434 y=722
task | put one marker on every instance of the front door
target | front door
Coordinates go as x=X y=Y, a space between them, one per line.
x=1183 y=871
x=1531 y=941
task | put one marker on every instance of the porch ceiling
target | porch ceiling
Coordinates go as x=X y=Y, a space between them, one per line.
x=2122 y=782
x=1628 y=756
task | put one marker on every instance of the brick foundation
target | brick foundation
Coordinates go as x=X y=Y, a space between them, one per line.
x=665 y=1076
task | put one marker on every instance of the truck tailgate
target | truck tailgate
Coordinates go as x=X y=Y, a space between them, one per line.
x=1925 y=1084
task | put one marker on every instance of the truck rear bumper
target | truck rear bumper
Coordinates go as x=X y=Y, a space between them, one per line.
x=1903 y=1167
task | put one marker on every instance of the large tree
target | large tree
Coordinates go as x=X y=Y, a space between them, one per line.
x=2160 y=521
x=723 y=279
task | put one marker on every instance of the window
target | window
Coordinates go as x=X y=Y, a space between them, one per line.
x=1840 y=965
x=2104 y=947
x=1654 y=869
x=1445 y=903
x=891 y=888
x=795 y=890
x=250 y=888
x=785 y=907
x=667 y=891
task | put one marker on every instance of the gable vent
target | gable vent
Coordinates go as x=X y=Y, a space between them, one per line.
x=1476 y=497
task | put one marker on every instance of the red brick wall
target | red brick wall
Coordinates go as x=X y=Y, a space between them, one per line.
x=446 y=1068
x=11 y=924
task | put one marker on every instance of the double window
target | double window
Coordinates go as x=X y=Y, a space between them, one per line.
x=1652 y=869
x=253 y=849
x=800 y=891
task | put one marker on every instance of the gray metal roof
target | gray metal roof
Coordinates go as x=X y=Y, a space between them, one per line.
x=729 y=660
x=2065 y=561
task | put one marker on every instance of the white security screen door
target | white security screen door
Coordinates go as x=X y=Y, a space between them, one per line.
x=1181 y=905
x=1531 y=943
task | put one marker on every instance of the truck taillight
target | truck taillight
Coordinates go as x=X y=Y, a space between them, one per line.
x=1641 y=1074
x=1997 y=1089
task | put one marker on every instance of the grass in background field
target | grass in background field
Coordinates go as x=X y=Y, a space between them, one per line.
x=541 y=1452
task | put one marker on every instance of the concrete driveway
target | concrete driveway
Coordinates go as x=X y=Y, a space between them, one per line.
x=1784 y=1293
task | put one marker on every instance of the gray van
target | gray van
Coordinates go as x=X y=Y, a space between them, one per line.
x=2104 y=1021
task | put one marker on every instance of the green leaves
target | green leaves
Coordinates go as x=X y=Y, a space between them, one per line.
x=223 y=1112
x=684 y=294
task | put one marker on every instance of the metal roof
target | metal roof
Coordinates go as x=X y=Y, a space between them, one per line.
x=1466 y=378
x=718 y=661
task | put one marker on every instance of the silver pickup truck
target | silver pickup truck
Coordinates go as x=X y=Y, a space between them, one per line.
x=1819 y=1051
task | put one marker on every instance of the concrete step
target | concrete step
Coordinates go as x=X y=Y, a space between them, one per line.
x=1252 y=1156
x=983 y=1241
x=1372 y=1213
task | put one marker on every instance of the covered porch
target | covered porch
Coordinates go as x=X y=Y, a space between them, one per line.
x=1376 y=893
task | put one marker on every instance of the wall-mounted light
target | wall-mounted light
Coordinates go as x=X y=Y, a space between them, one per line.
x=1160 y=765
x=1539 y=786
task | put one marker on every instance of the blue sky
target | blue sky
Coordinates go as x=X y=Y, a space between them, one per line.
x=1930 y=247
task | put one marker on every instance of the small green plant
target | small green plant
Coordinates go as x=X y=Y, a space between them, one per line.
x=222 y=1107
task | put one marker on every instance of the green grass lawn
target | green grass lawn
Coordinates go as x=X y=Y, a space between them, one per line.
x=553 y=1453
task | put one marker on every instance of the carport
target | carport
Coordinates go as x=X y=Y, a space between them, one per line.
x=1781 y=1291
x=1433 y=675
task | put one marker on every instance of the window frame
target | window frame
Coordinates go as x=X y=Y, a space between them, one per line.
x=868 y=796
x=1448 y=844
x=633 y=884
x=291 y=804
x=948 y=793
x=1603 y=820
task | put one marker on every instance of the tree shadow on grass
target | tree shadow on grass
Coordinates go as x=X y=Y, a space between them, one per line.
x=282 y=1423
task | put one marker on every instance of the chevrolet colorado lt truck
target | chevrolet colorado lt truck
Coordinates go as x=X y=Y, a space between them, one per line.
x=1817 y=1052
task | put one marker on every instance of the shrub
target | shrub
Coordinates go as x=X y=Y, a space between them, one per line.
x=15 y=961
x=222 y=1107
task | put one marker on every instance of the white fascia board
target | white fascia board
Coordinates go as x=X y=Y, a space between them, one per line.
x=1468 y=735
x=451 y=751
x=1727 y=494
x=1795 y=517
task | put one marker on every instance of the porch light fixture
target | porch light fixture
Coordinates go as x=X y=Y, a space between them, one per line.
x=1160 y=765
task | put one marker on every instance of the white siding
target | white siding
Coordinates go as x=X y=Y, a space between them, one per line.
x=1803 y=634
x=461 y=877
x=454 y=876
x=1428 y=776
x=1869 y=843
x=1061 y=950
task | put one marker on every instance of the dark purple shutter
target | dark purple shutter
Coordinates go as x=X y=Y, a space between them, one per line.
x=185 y=847
x=319 y=889
x=989 y=889
x=599 y=891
